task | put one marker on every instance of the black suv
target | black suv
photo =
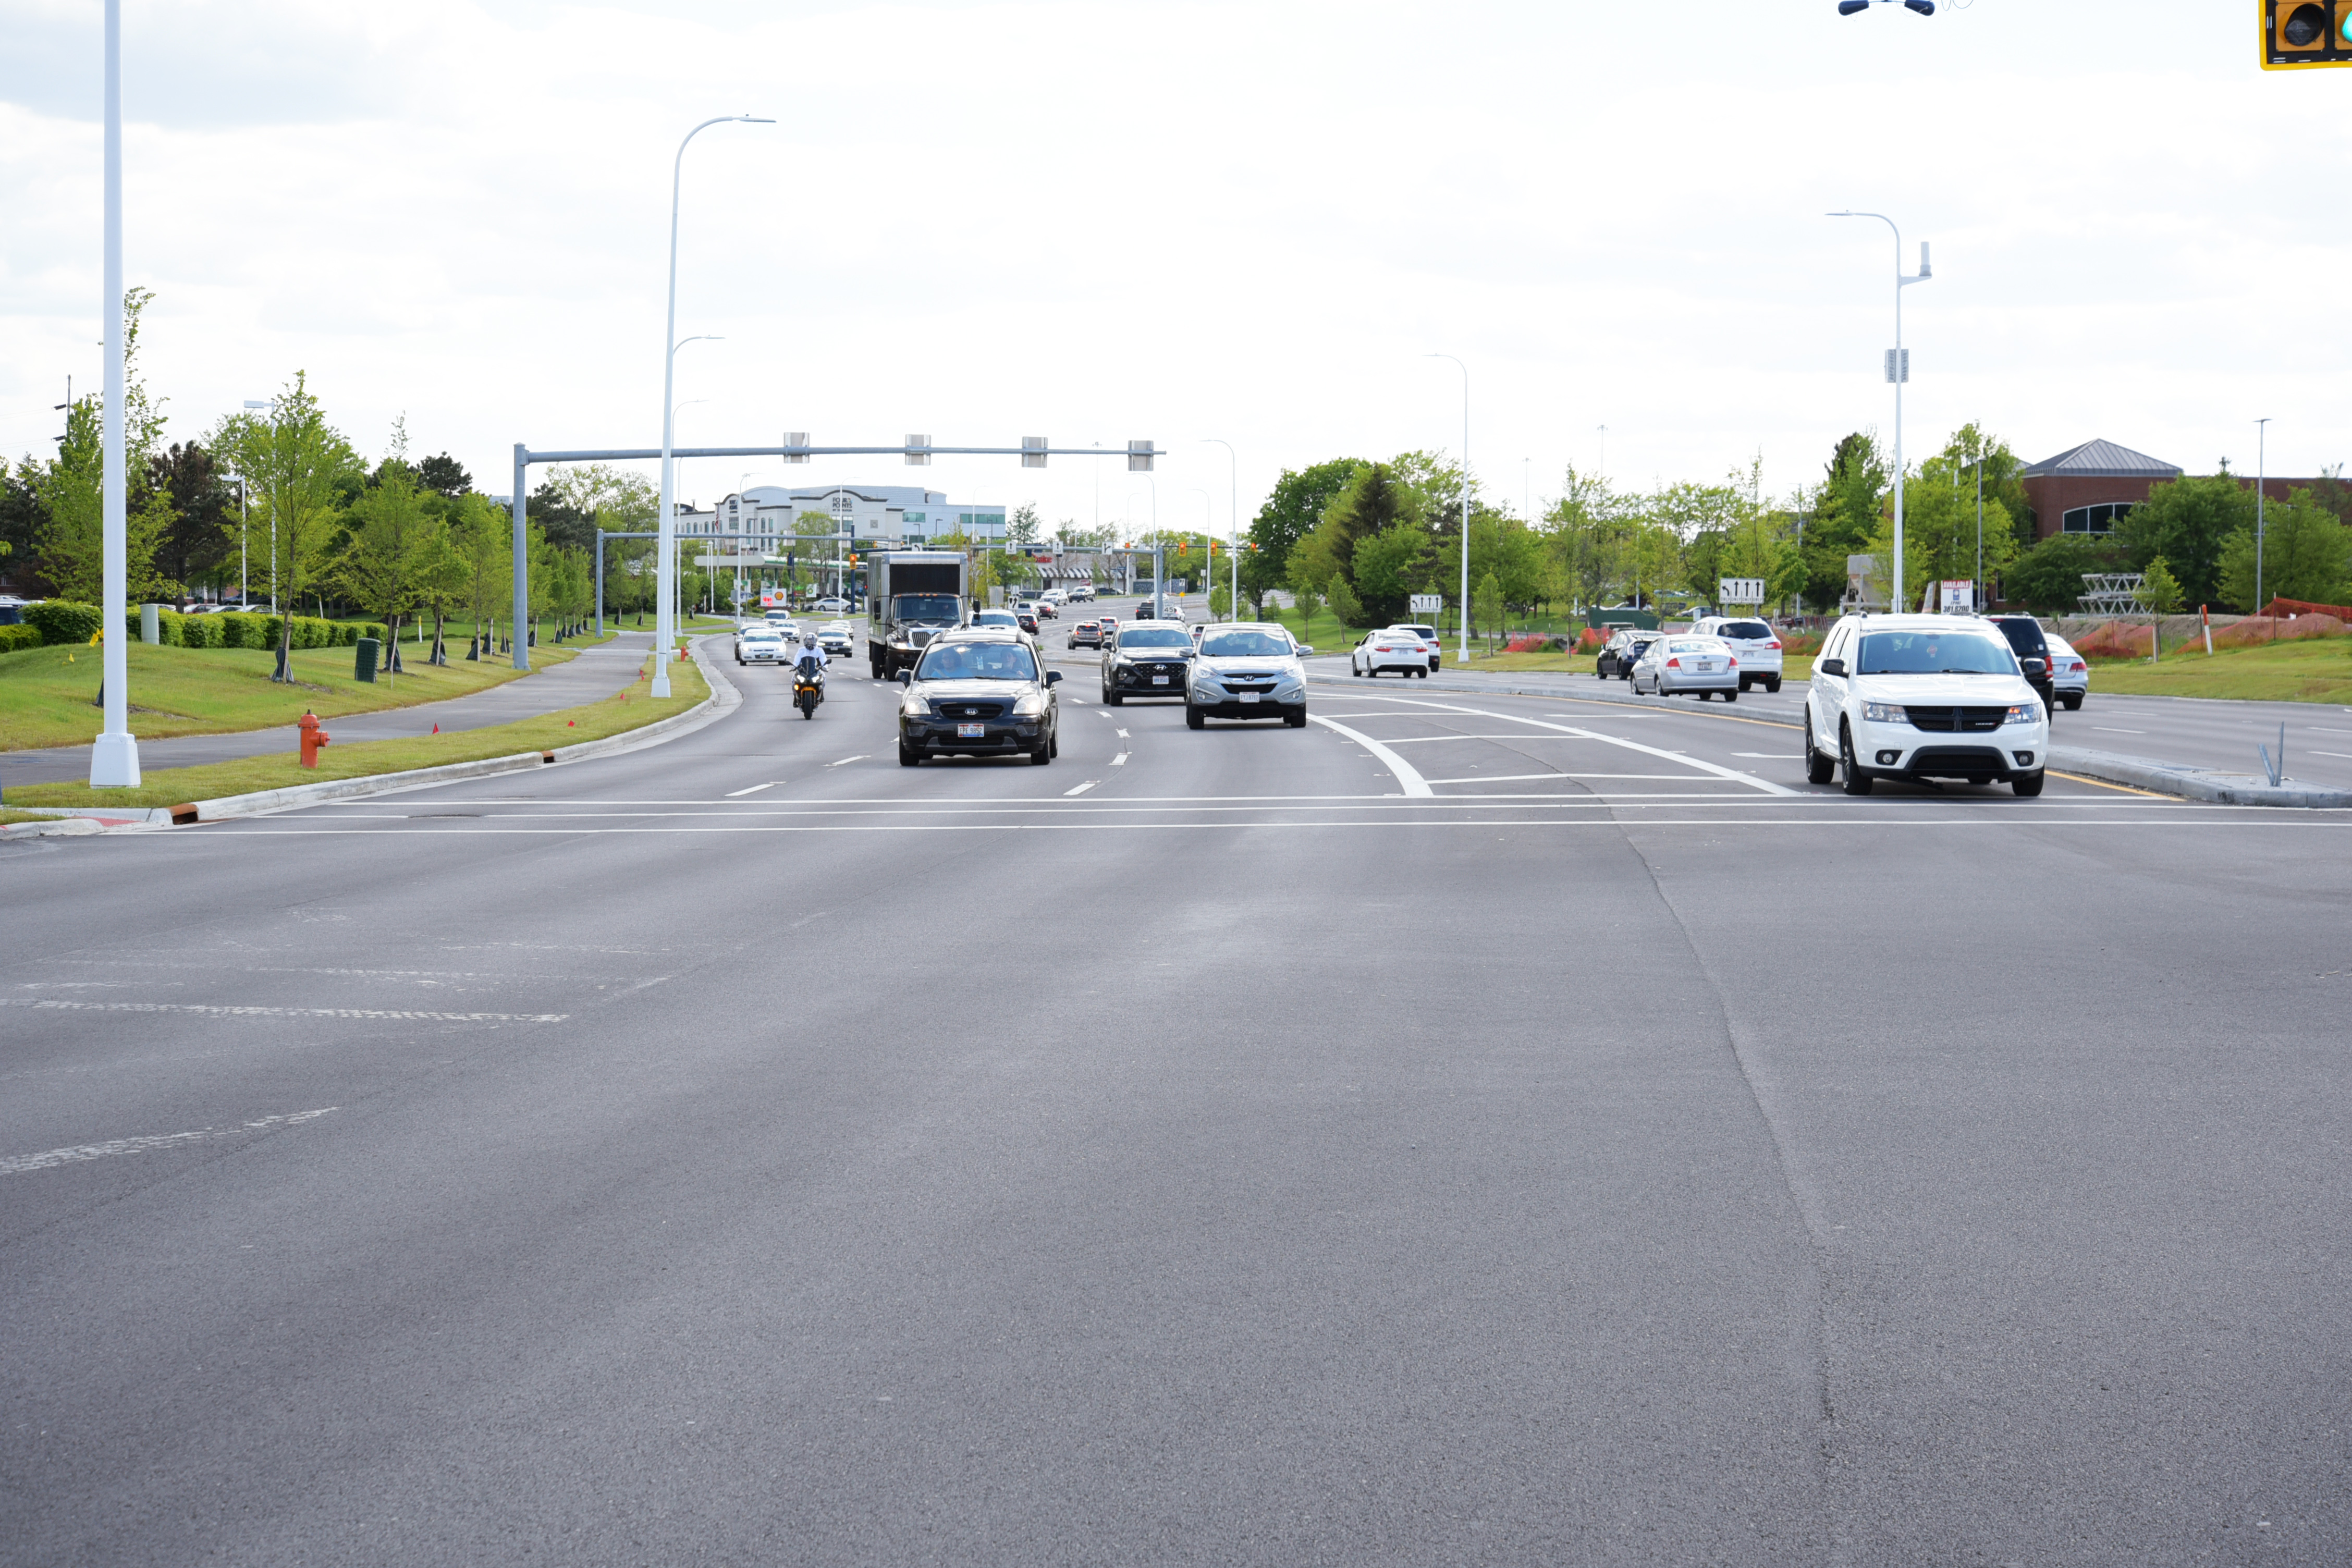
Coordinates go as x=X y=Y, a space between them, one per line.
x=1622 y=652
x=2032 y=651
x=979 y=693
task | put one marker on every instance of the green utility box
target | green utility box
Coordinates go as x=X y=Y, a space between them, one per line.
x=363 y=667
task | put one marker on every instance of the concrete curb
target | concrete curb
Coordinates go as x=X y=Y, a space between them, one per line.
x=2194 y=783
x=62 y=827
x=724 y=699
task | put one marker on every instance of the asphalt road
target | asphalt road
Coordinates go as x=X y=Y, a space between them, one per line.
x=1467 y=1129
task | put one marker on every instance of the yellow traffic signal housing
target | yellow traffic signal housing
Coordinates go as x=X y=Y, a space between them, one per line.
x=2299 y=33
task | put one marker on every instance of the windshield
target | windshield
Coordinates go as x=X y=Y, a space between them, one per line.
x=1154 y=637
x=1743 y=629
x=1933 y=653
x=929 y=607
x=977 y=661
x=993 y=618
x=1245 y=645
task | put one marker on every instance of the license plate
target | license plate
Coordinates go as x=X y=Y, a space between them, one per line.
x=1159 y=680
x=1249 y=696
x=971 y=732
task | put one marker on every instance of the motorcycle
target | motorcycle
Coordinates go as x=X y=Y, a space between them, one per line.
x=808 y=687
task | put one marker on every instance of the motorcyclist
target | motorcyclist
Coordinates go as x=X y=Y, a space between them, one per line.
x=810 y=649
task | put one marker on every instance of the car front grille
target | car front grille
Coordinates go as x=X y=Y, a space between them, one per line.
x=1956 y=721
x=972 y=710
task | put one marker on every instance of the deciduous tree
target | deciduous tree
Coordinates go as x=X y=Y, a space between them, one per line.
x=297 y=467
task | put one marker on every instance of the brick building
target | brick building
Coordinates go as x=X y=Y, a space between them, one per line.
x=2085 y=489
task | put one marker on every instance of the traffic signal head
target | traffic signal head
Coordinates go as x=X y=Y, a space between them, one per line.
x=2306 y=33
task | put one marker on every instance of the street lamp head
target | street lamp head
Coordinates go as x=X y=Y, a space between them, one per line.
x=762 y=120
x=257 y=403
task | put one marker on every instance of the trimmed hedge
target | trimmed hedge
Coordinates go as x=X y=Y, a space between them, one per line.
x=12 y=638
x=63 y=621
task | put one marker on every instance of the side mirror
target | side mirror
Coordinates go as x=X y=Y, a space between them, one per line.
x=1305 y=648
x=1053 y=677
x=905 y=678
x=1832 y=667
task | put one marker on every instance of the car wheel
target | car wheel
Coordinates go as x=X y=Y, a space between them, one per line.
x=1054 y=743
x=1772 y=684
x=1042 y=755
x=2074 y=703
x=1819 y=769
x=1194 y=718
x=907 y=756
x=1851 y=776
x=1297 y=720
x=1732 y=696
x=1114 y=700
x=2027 y=784
x=1743 y=683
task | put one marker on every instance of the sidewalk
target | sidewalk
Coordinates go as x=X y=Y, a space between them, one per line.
x=594 y=674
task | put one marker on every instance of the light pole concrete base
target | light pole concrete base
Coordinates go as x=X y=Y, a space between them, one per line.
x=114 y=761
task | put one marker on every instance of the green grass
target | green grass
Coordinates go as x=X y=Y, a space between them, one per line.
x=2314 y=669
x=10 y=818
x=46 y=692
x=629 y=710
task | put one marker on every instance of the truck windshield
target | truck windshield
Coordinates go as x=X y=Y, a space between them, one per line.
x=928 y=607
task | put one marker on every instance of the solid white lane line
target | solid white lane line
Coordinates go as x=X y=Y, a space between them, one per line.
x=2271 y=817
x=2319 y=753
x=1522 y=778
x=1425 y=740
x=289 y=1012
x=1750 y=780
x=1407 y=779
x=731 y=794
x=51 y=1157
x=1119 y=761
x=2103 y=729
x=1081 y=789
x=859 y=758
x=1770 y=756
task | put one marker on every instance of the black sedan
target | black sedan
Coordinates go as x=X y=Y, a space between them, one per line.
x=1147 y=660
x=1622 y=653
x=979 y=693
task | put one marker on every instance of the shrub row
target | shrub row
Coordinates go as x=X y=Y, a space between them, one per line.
x=63 y=621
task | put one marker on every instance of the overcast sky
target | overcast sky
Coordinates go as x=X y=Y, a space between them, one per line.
x=1100 y=221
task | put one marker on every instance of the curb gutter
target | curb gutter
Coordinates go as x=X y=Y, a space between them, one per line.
x=2194 y=783
x=724 y=699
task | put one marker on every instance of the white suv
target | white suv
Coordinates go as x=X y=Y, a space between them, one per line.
x=1916 y=696
x=1756 y=643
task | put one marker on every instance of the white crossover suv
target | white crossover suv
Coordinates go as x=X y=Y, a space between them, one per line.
x=1916 y=697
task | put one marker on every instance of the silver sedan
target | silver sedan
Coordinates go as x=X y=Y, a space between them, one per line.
x=1674 y=665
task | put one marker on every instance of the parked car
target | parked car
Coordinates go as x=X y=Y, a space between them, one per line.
x=1914 y=697
x=1086 y=634
x=758 y=644
x=1393 y=648
x=1755 y=643
x=1429 y=636
x=1617 y=655
x=978 y=692
x=1246 y=671
x=1147 y=660
x=834 y=637
x=2070 y=674
x=2025 y=639
x=1670 y=666
x=831 y=606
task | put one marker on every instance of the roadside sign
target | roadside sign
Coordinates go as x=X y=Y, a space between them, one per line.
x=1739 y=591
x=1959 y=598
x=1427 y=604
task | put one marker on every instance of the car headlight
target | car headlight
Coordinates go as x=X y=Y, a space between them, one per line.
x=1030 y=707
x=1885 y=713
x=2022 y=713
x=915 y=707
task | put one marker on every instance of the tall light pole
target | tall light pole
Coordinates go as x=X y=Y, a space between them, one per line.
x=1898 y=371
x=114 y=756
x=2262 y=438
x=666 y=570
x=1464 y=656
x=243 y=603
x=1233 y=515
x=1208 y=531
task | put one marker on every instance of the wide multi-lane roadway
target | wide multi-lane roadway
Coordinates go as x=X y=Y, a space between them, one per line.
x=1468 y=1130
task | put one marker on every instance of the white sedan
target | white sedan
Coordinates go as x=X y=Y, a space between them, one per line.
x=1394 y=648
x=831 y=606
x=2070 y=673
x=834 y=637
x=759 y=645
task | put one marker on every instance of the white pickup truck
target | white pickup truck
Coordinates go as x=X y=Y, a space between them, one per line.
x=1753 y=642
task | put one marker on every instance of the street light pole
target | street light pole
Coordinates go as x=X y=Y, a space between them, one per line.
x=1898 y=371
x=114 y=756
x=1462 y=657
x=2261 y=437
x=665 y=569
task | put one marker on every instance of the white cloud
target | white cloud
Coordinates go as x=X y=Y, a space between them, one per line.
x=1099 y=221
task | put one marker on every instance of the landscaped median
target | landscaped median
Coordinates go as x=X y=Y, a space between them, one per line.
x=229 y=788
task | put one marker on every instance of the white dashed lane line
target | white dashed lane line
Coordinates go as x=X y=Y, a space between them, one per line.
x=49 y=1158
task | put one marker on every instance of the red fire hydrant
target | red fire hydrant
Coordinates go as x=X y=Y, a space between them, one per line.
x=312 y=738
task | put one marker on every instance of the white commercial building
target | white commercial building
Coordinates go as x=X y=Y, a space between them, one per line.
x=872 y=515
